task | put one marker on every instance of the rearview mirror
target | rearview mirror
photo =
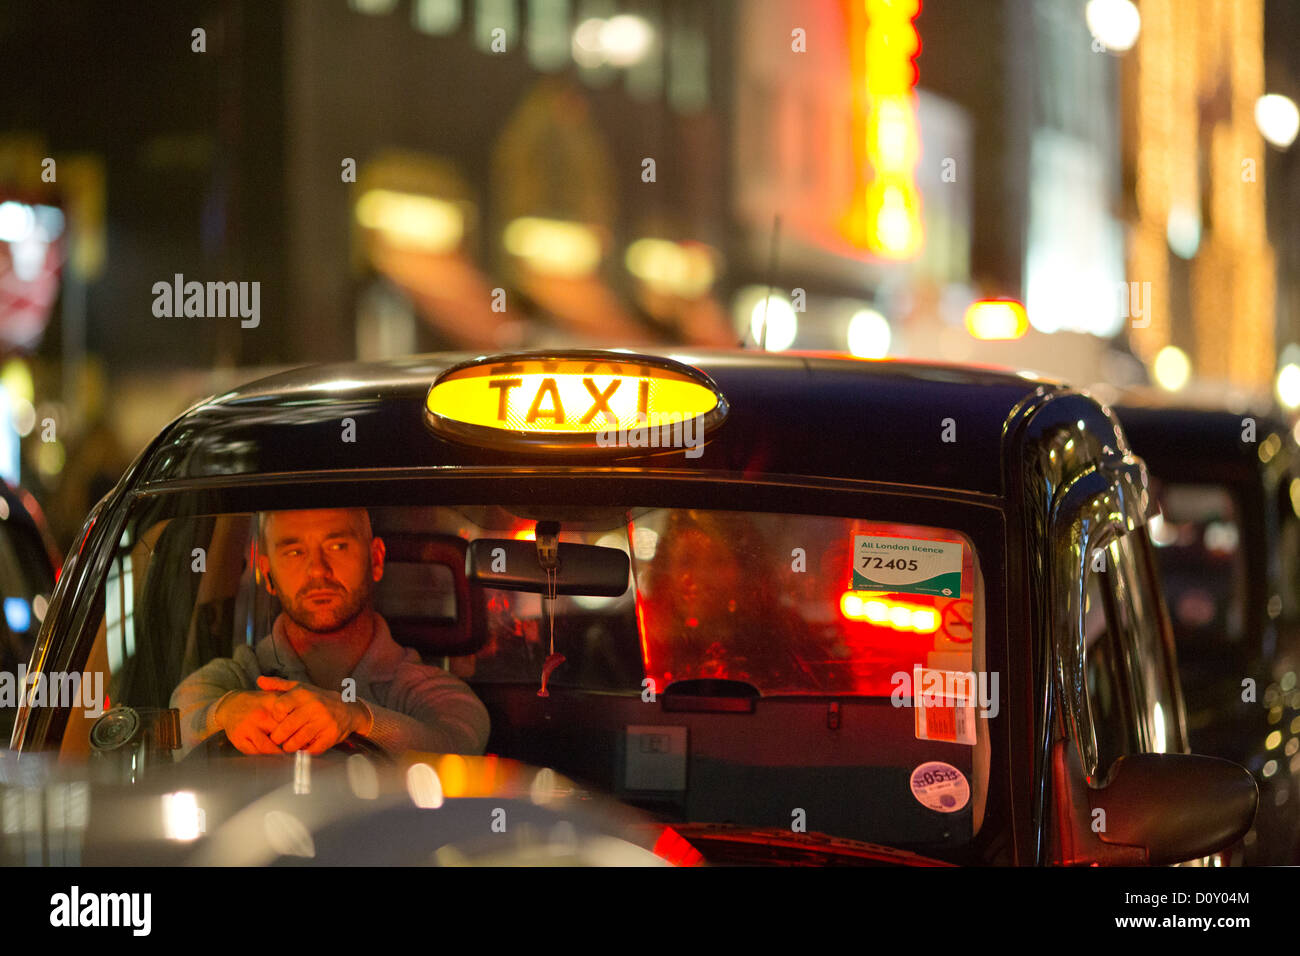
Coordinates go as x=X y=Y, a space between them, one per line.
x=1175 y=807
x=513 y=566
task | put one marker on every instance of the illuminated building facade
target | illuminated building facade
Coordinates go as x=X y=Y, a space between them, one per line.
x=1196 y=163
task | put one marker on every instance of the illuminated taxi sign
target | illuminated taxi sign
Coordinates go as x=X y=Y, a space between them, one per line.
x=575 y=401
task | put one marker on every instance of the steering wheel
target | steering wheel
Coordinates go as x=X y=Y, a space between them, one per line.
x=219 y=745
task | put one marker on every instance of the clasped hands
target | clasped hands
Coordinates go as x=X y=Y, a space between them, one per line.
x=285 y=716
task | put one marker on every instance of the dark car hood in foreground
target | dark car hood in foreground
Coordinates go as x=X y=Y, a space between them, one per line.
x=354 y=810
x=337 y=810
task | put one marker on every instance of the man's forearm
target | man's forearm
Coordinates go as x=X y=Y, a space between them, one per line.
x=364 y=718
x=200 y=696
x=397 y=733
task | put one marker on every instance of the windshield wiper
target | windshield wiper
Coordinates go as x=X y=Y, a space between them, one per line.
x=726 y=842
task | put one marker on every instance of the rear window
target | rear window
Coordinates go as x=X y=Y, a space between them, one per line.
x=777 y=601
x=1201 y=554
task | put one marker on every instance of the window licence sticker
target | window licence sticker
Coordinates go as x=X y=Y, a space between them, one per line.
x=940 y=786
x=906 y=565
x=944 y=704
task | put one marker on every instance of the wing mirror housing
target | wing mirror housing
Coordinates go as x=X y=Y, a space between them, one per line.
x=1174 y=807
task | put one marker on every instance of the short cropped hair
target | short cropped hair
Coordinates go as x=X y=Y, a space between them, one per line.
x=262 y=517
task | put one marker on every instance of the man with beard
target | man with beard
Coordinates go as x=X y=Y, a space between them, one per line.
x=285 y=694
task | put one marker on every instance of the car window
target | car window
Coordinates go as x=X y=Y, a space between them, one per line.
x=862 y=638
x=766 y=599
x=1200 y=551
x=1141 y=616
x=1110 y=707
x=1132 y=702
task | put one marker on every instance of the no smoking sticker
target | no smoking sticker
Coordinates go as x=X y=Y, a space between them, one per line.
x=940 y=786
x=958 y=621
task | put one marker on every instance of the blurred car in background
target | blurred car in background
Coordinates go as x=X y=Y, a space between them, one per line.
x=1227 y=542
x=29 y=568
x=795 y=608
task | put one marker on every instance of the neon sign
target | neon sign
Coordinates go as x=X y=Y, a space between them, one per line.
x=885 y=217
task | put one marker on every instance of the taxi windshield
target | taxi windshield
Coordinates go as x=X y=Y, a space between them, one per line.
x=752 y=664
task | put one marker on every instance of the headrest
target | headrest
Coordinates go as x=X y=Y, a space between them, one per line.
x=426 y=598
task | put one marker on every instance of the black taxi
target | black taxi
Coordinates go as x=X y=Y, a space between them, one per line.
x=790 y=608
x=1227 y=543
x=29 y=567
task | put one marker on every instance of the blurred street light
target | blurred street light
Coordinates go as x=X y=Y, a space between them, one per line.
x=1288 y=386
x=990 y=319
x=1183 y=230
x=554 y=247
x=587 y=50
x=1114 y=24
x=782 y=324
x=869 y=334
x=413 y=221
x=684 y=269
x=626 y=39
x=1172 y=368
x=17 y=221
x=620 y=41
x=1278 y=119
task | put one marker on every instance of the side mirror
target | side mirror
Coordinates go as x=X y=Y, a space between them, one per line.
x=1175 y=807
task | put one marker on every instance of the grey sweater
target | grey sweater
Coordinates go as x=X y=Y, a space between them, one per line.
x=415 y=706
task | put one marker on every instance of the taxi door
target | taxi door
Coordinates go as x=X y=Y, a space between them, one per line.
x=1115 y=689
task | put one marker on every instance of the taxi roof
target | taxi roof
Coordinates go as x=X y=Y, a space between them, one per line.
x=803 y=414
x=1184 y=439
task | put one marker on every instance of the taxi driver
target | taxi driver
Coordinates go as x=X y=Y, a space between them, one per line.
x=329 y=669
